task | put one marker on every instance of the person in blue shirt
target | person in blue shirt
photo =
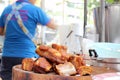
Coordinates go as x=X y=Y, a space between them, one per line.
x=17 y=45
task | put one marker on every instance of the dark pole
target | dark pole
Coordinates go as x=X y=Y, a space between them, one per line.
x=85 y=18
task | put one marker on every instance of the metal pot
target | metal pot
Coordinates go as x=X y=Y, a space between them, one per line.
x=106 y=62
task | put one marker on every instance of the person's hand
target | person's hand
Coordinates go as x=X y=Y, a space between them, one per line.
x=52 y=25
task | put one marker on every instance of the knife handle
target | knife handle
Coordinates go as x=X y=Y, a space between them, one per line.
x=92 y=52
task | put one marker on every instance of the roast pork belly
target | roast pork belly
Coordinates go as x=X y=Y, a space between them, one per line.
x=43 y=48
x=62 y=49
x=41 y=65
x=27 y=64
x=85 y=70
x=66 y=69
x=51 y=54
x=54 y=53
x=77 y=61
x=59 y=47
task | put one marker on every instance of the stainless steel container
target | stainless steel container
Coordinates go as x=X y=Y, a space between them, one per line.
x=112 y=18
x=105 y=54
x=110 y=63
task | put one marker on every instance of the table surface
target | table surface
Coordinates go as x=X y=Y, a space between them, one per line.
x=19 y=74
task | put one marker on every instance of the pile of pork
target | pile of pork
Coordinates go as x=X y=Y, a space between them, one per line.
x=55 y=58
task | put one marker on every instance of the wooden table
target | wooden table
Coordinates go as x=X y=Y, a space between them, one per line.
x=19 y=74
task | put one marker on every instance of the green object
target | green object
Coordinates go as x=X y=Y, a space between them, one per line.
x=110 y=1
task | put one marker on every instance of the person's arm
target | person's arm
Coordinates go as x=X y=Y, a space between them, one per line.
x=44 y=19
x=2 y=24
x=51 y=24
x=1 y=31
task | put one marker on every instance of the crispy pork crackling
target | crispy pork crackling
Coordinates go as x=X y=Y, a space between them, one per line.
x=27 y=64
x=66 y=69
x=41 y=65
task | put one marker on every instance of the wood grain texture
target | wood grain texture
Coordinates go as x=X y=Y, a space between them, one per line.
x=19 y=74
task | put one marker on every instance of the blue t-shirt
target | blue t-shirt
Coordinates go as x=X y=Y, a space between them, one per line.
x=17 y=43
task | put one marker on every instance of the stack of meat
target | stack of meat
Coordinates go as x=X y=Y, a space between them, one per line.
x=55 y=58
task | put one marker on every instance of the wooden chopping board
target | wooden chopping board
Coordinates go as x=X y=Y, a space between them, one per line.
x=19 y=74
